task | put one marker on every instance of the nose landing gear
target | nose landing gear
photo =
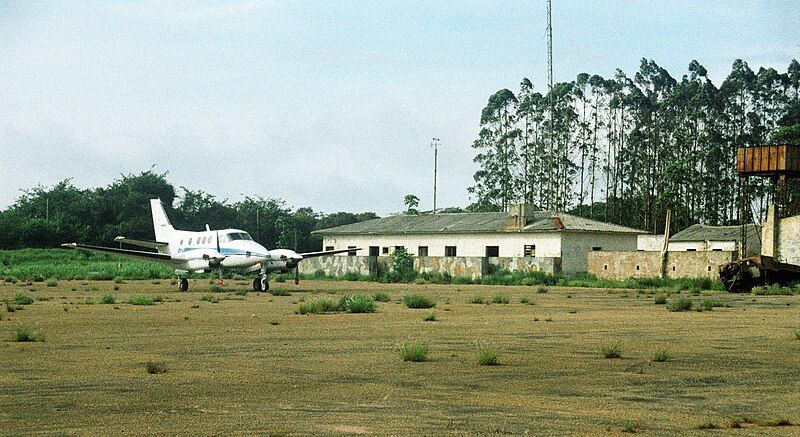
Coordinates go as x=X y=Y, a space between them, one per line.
x=183 y=285
x=260 y=284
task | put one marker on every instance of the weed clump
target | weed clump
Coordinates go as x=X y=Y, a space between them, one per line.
x=541 y=290
x=25 y=333
x=661 y=356
x=381 y=297
x=279 y=292
x=612 y=351
x=51 y=283
x=660 y=300
x=629 y=426
x=431 y=317
x=500 y=298
x=476 y=300
x=141 y=300
x=107 y=299
x=413 y=351
x=241 y=292
x=209 y=298
x=488 y=356
x=22 y=299
x=524 y=300
x=708 y=425
x=418 y=301
x=709 y=303
x=358 y=304
x=154 y=367
x=681 y=304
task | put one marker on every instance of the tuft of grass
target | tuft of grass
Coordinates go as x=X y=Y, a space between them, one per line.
x=661 y=356
x=541 y=289
x=141 y=300
x=680 y=304
x=487 y=356
x=209 y=298
x=155 y=367
x=158 y=298
x=500 y=298
x=107 y=299
x=26 y=333
x=241 y=292
x=613 y=351
x=381 y=297
x=279 y=292
x=52 y=283
x=22 y=299
x=797 y=334
x=709 y=303
x=418 y=301
x=708 y=425
x=431 y=317
x=476 y=300
x=524 y=300
x=660 y=300
x=779 y=422
x=358 y=304
x=629 y=426
x=215 y=288
x=413 y=351
x=319 y=306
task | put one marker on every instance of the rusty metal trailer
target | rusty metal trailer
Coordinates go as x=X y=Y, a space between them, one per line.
x=743 y=275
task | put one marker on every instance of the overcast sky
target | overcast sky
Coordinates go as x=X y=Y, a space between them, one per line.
x=324 y=104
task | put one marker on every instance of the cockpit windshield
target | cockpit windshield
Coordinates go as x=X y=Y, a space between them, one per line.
x=238 y=236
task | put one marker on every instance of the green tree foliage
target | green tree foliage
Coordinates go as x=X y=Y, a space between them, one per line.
x=46 y=217
x=626 y=149
x=412 y=202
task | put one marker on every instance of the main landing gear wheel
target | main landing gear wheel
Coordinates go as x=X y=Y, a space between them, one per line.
x=184 y=285
x=260 y=284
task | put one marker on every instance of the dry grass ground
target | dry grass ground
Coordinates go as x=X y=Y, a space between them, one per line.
x=254 y=366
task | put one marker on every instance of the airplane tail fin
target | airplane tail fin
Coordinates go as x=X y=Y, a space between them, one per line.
x=163 y=228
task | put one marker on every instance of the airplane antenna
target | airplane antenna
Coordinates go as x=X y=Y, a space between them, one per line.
x=435 y=145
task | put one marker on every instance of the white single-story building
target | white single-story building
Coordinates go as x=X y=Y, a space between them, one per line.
x=704 y=238
x=520 y=232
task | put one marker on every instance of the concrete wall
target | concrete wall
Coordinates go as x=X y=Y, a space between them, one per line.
x=576 y=245
x=782 y=242
x=472 y=267
x=684 y=246
x=511 y=244
x=649 y=242
x=640 y=264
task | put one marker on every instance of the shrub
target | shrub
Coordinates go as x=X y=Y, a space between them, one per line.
x=279 y=292
x=477 y=300
x=351 y=276
x=708 y=304
x=660 y=300
x=431 y=317
x=661 y=356
x=216 y=288
x=319 y=306
x=141 y=300
x=52 y=283
x=418 y=301
x=541 y=290
x=319 y=273
x=487 y=356
x=413 y=351
x=107 y=299
x=154 y=367
x=381 y=297
x=499 y=298
x=27 y=334
x=22 y=299
x=612 y=351
x=402 y=269
x=681 y=304
x=773 y=290
x=524 y=300
x=358 y=304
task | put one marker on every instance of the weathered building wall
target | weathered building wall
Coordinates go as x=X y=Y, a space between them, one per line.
x=649 y=242
x=783 y=243
x=510 y=244
x=472 y=267
x=641 y=264
x=576 y=245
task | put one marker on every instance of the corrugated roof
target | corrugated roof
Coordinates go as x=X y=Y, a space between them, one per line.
x=472 y=222
x=716 y=233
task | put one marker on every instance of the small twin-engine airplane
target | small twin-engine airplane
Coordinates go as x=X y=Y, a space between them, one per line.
x=201 y=252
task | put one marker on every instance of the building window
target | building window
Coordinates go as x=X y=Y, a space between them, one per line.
x=691 y=250
x=605 y=267
x=327 y=248
x=385 y=250
x=374 y=251
x=716 y=250
x=637 y=267
x=530 y=250
x=422 y=251
x=492 y=251
x=450 y=251
x=399 y=248
x=353 y=252
x=709 y=268
x=596 y=248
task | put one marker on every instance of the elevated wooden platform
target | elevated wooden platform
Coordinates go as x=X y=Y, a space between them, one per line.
x=769 y=160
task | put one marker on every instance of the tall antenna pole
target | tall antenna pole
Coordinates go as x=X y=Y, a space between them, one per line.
x=550 y=74
x=435 y=144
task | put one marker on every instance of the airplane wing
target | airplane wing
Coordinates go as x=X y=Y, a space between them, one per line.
x=143 y=243
x=327 y=252
x=153 y=256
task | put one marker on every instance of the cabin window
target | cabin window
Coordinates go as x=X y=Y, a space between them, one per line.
x=450 y=251
x=385 y=250
x=181 y=243
x=530 y=250
x=328 y=248
x=637 y=267
x=709 y=268
x=596 y=248
x=422 y=251
x=351 y=253
x=605 y=267
x=190 y=242
x=205 y=240
x=492 y=251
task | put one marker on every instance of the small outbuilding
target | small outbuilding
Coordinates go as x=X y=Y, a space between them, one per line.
x=706 y=238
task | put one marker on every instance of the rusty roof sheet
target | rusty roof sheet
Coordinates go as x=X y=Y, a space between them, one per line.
x=474 y=222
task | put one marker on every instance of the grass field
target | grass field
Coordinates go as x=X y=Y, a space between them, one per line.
x=224 y=362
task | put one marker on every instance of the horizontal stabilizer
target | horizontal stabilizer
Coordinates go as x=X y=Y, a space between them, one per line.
x=126 y=252
x=143 y=243
x=327 y=252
